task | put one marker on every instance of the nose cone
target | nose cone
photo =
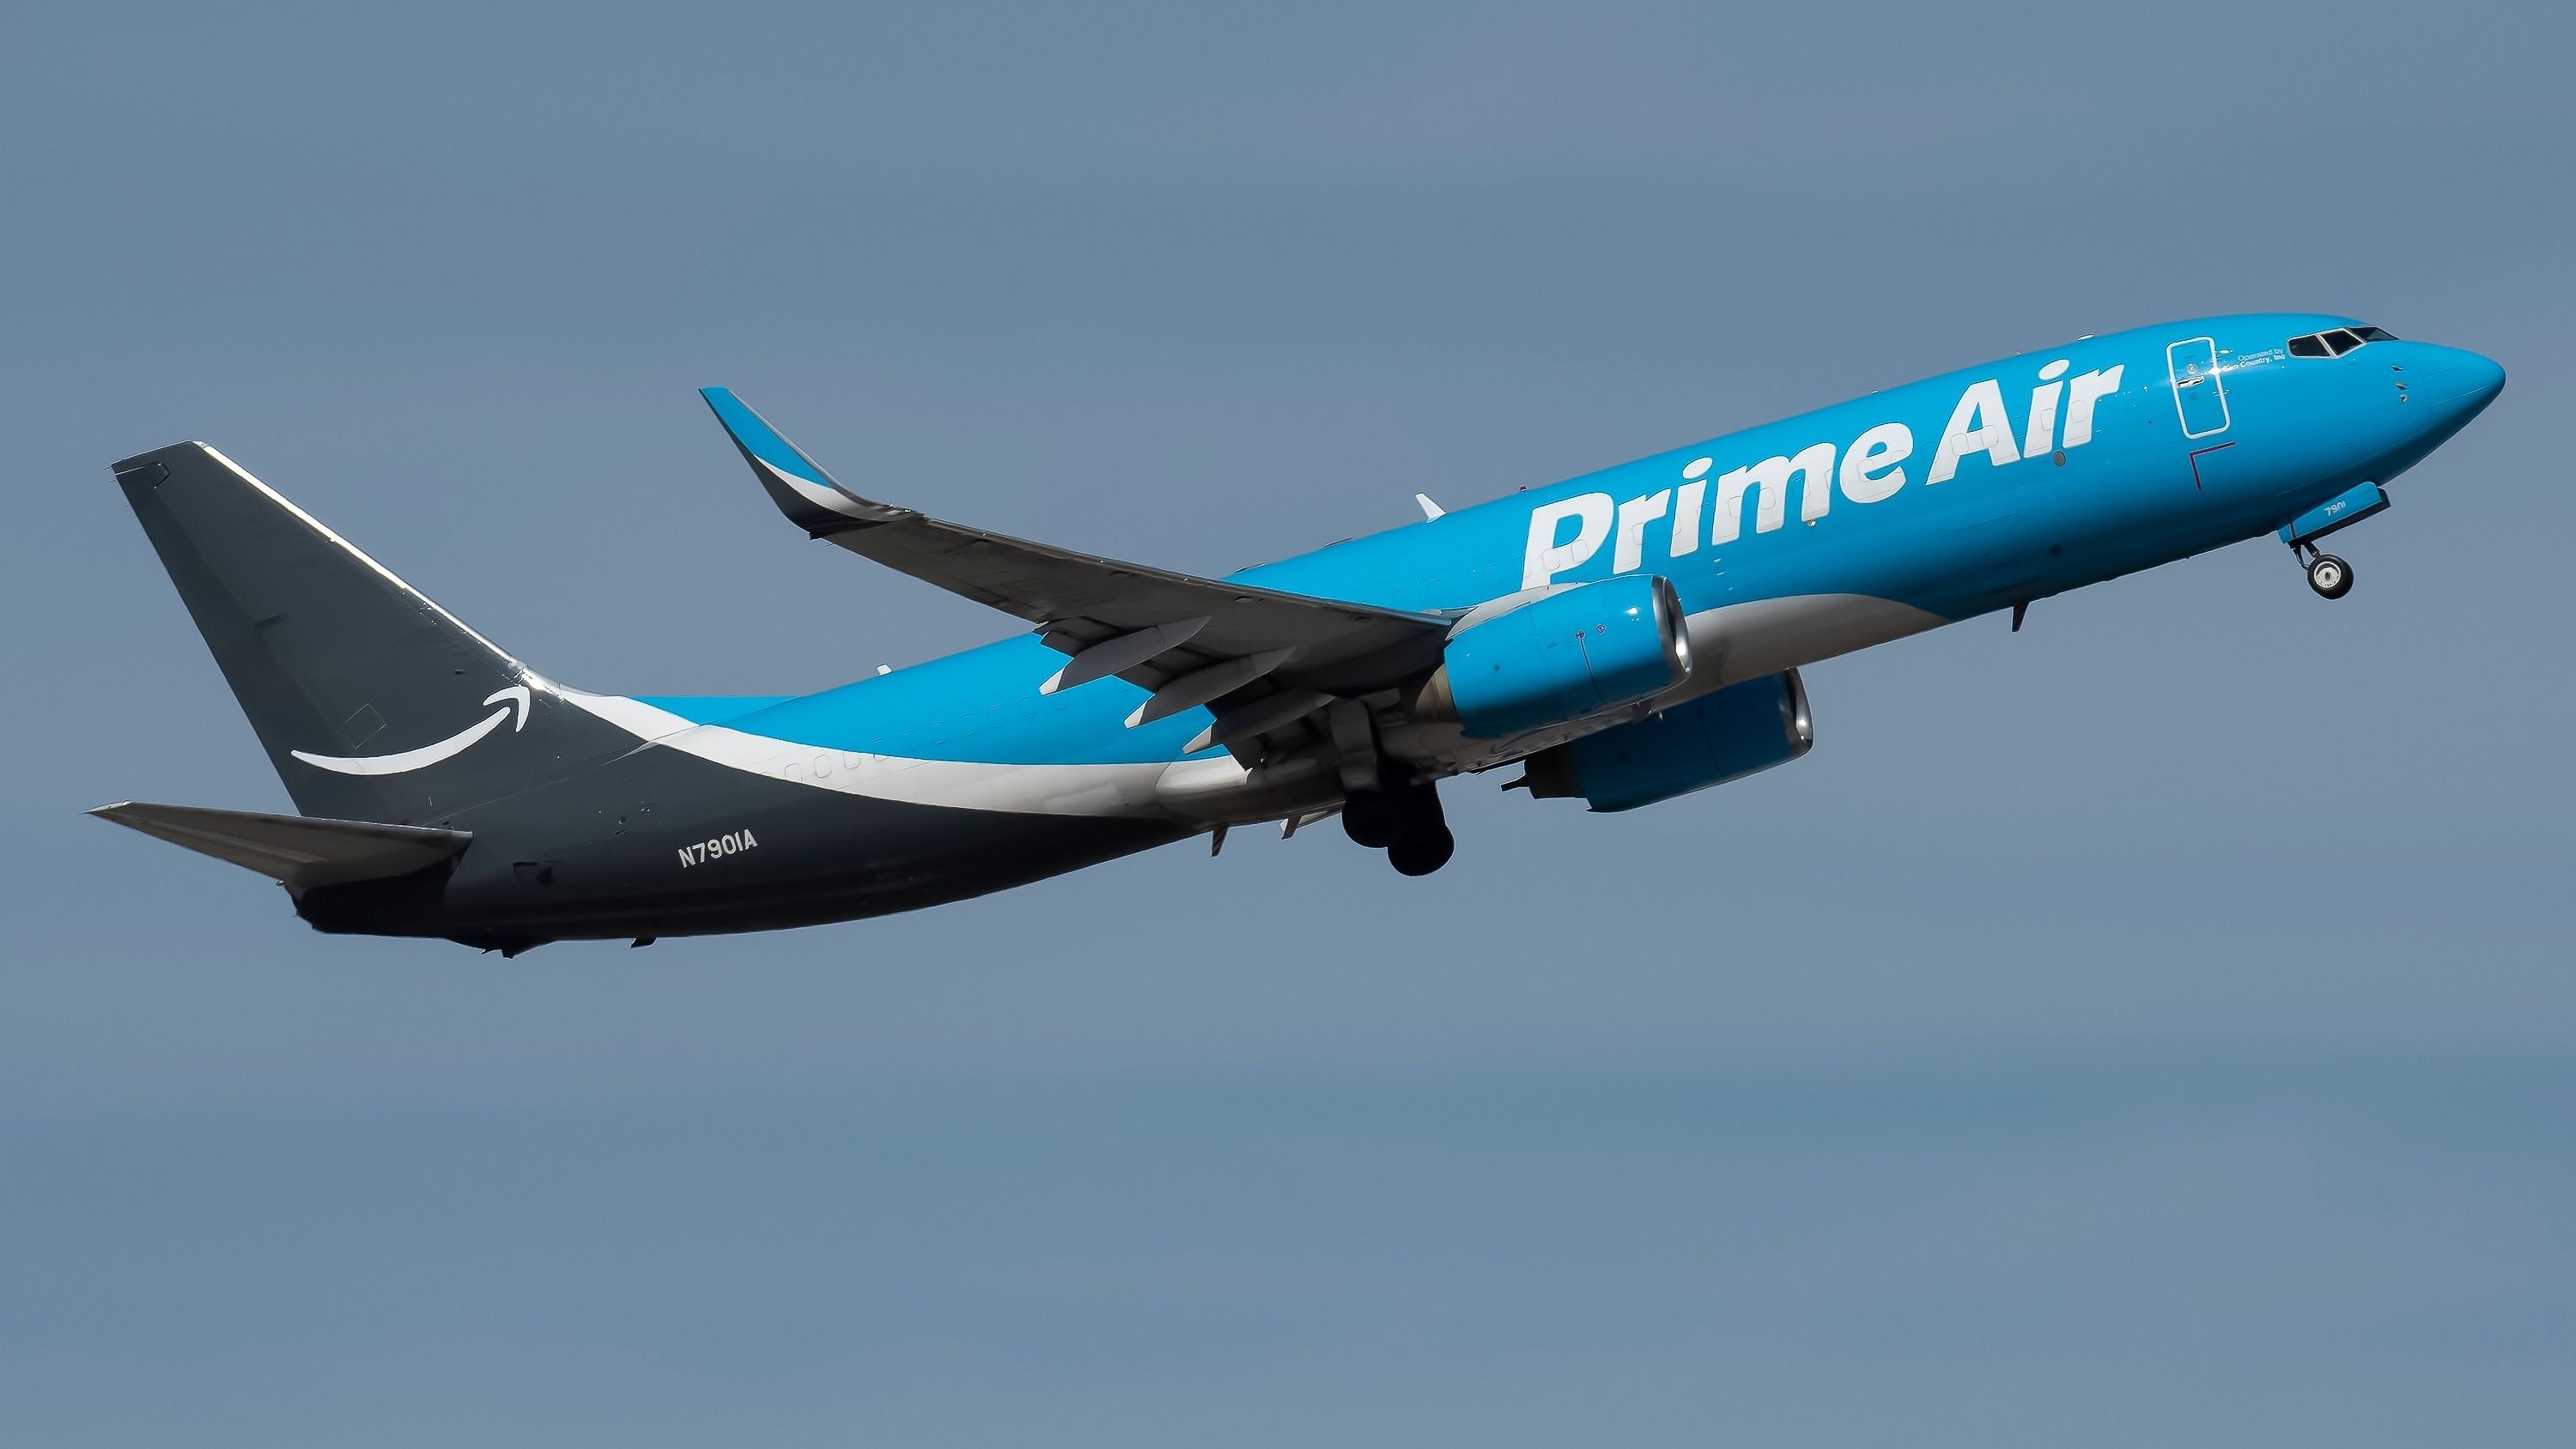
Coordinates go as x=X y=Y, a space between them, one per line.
x=2457 y=383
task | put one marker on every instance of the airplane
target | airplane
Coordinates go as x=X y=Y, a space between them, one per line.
x=1626 y=637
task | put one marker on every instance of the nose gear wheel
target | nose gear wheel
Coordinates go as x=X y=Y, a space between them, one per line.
x=2330 y=576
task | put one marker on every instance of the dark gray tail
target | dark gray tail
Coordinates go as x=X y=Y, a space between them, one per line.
x=373 y=702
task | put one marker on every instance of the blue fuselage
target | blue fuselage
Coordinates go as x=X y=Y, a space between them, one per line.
x=1891 y=513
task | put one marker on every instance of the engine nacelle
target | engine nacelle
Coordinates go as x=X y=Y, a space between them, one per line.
x=1734 y=732
x=1567 y=656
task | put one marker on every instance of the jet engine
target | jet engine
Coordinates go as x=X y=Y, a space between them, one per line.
x=1570 y=655
x=1726 y=735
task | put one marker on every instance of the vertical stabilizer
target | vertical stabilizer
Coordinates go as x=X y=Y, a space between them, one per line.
x=372 y=702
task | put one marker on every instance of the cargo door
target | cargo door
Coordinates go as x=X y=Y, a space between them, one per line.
x=2200 y=395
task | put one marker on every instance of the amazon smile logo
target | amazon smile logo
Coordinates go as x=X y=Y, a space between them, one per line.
x=513 y=700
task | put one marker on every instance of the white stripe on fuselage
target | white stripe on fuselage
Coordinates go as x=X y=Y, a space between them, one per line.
x=1733 y=643
x=1764 y=636
x=1106 y=790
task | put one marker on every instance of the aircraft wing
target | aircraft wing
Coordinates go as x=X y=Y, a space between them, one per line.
x=1176 y=634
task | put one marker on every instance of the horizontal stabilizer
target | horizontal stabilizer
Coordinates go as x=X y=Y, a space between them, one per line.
x=297 y=851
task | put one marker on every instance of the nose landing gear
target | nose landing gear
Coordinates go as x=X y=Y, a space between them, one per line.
x=2330 y=576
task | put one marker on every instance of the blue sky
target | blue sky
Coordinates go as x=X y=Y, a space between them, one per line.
x=2154 y=1025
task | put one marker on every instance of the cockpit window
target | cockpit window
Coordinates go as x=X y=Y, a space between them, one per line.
x=2337 y=342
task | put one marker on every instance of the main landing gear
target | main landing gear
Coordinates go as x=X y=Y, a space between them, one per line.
x=2330 y=576
x=1403 y=818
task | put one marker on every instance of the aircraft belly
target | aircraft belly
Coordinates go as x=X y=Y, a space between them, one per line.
x=1729 y=644
x=1764 y=636
x=668 y=844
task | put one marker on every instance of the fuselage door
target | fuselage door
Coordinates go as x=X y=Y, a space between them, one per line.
x=2200 y=397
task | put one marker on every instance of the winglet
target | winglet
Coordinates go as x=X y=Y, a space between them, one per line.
x=802 y=491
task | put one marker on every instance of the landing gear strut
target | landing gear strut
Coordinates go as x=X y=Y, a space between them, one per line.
x=1403 y=818
x=2330 y=576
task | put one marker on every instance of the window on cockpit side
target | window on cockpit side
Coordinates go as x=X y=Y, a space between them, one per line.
x=2338 y=342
